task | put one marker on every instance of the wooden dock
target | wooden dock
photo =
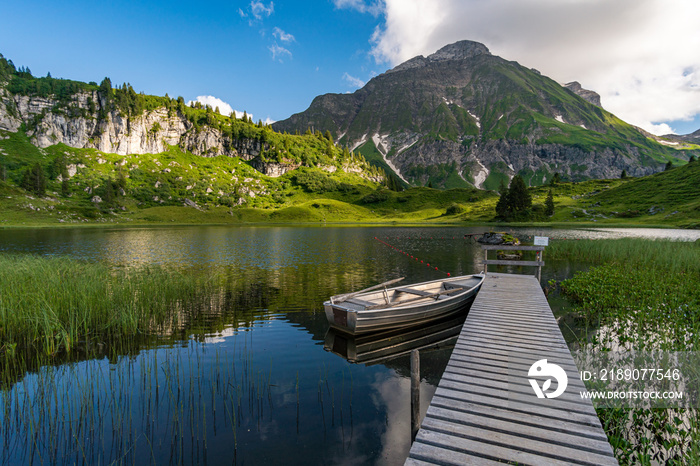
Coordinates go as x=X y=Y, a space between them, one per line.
x=485 y=410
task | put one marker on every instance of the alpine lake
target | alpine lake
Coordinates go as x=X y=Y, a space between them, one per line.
x=254 y=376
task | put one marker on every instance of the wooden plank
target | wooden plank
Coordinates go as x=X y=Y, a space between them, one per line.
x=566 y=403
x=513 y=262
x=477 y=447
x=508 y=247
x=414 y=291
x=359 y=301
x=518 y=407
x=534 y=420
x=481 y=414
x=542 y=448
x=422 y=454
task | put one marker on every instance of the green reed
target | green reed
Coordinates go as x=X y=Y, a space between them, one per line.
x=670 y=256
x=162 y=403
x=642 y=295
x=50 y=305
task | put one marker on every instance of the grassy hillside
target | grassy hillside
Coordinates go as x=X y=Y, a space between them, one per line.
x=178 y=187
x=671 y=197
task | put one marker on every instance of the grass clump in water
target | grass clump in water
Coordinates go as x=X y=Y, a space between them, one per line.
x=50 y=305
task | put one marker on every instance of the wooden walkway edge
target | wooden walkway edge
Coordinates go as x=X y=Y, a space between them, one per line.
x=485 y=410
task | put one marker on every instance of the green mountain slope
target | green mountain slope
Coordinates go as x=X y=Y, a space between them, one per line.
x=485 y=114
x=671 y=197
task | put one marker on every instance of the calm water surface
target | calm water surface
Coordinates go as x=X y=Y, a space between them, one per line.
x=252 y=384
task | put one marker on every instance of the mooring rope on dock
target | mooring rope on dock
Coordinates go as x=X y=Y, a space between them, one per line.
x=427 y=264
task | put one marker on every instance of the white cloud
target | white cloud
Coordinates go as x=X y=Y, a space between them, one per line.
x=224 y=108
x=279 y=52
x=258 y=9
x=638 y=54
x=353 y=81
x=659 y=129
x=374 y=8
x=283 y=36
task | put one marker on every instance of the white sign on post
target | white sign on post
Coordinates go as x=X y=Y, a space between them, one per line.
x=541 y=241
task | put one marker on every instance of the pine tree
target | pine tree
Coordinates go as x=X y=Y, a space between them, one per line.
x=109 y=192
x=34 y=180
x=692 y=159
x=623 y=175
x=556 y=179
x=519 y=197
x=120 y=184
x=669 y=165
x=502 y=206
x=502 y=188
x=549 y=204
x=65 y=187
x=515 y=203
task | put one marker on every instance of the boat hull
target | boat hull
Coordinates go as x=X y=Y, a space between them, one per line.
x=356 y=319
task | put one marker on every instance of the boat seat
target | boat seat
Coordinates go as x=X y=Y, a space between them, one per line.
x=361 y=302
x=414 y=291
x=452 y=286
x=468 y=283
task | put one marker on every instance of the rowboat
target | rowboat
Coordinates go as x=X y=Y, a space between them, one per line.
x=379 y=347
x=380 y=308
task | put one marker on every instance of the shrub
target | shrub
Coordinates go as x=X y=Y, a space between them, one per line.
x=315 y=181
x=379 y=195
x=454 y=209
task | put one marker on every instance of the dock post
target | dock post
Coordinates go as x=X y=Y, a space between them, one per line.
x=415 y=393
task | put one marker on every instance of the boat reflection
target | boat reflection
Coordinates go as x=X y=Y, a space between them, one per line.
x=375 y=348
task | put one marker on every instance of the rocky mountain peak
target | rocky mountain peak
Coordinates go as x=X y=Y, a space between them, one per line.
x=461 y=50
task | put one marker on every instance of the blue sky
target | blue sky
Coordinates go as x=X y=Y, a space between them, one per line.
x=193 y=49
x=272 y=58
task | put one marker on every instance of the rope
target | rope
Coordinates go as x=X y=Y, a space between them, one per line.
x=434 y=267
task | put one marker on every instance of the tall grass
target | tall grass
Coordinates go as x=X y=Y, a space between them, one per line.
x=49 y=305
x=642 y=295
x=669 y=256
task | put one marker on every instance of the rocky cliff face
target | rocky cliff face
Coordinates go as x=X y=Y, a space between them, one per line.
x=76 y=125
x=464 y=116
x=586 y=94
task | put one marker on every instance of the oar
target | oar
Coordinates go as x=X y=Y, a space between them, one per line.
x=406 y=301
x=342 y=297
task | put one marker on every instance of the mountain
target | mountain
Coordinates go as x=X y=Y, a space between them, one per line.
x=463 y=116
x=120 y=121
x=72 y=151
x=692 y=138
